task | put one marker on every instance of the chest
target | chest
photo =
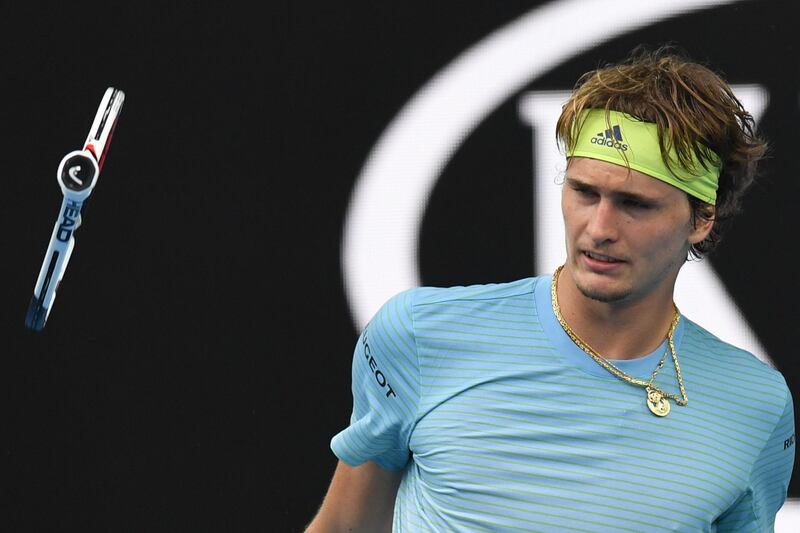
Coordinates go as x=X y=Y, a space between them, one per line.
x=555 y=440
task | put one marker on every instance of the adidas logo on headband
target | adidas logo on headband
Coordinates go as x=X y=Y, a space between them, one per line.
x=640 y=150
x=612 y=138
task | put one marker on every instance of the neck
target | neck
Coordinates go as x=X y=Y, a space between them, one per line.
x=625 y=329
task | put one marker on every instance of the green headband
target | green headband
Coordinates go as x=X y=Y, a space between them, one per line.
x=630 y=142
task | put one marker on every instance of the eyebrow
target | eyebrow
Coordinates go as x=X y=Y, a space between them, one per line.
x=622 y=195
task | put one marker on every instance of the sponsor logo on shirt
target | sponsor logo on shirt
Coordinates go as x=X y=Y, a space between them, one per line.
x=380 y=378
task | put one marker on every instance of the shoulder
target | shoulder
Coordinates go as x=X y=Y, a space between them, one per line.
x=433 y=296
x=423 y=304
x=731 y=363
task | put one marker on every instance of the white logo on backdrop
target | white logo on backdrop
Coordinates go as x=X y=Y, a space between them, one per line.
x=379 y=252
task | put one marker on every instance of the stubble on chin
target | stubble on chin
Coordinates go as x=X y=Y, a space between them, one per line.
x=600 y=295
x=603 y=296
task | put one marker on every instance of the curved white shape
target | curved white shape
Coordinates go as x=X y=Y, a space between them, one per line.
x=379 y=256
x=379 y=253
x=788 y=519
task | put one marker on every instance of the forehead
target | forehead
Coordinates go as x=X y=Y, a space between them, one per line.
x=616 y=178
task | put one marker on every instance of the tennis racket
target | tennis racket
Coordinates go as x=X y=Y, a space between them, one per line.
x=77 y=176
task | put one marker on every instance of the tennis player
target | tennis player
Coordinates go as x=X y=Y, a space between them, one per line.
x=582 y=400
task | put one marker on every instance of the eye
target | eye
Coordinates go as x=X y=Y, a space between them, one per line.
x=583 y=191
x=636 y=204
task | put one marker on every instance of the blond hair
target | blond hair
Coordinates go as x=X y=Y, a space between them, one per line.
x=695 y=111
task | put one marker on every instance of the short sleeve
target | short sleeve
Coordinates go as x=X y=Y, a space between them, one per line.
x=385 y=386
x=769 y=480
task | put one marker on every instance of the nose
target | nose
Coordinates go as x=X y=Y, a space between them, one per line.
x=603 y=224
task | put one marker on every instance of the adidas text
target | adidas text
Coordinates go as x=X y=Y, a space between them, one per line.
x=609 y=142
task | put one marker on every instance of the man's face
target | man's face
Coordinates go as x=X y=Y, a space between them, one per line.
x=627 y=233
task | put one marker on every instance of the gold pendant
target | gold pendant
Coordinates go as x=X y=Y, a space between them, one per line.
x=656 y=402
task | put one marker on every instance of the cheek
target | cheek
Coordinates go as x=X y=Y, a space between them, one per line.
x=572 y=215
x=572 y=225
x=660 y=243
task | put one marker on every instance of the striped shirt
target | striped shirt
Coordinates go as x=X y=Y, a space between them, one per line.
x=499 y=422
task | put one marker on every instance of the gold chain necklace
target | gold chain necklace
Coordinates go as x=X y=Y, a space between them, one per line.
x=657 y=399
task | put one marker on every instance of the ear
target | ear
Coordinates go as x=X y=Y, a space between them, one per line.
x=702 y=222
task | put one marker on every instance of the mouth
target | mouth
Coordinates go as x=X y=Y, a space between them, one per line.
x=602 y=258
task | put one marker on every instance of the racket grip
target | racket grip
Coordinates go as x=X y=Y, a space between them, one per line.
x=36 y=316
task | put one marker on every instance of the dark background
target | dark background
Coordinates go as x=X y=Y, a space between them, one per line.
x=197 y=360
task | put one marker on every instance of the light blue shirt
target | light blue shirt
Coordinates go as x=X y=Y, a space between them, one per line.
x=500 y=422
